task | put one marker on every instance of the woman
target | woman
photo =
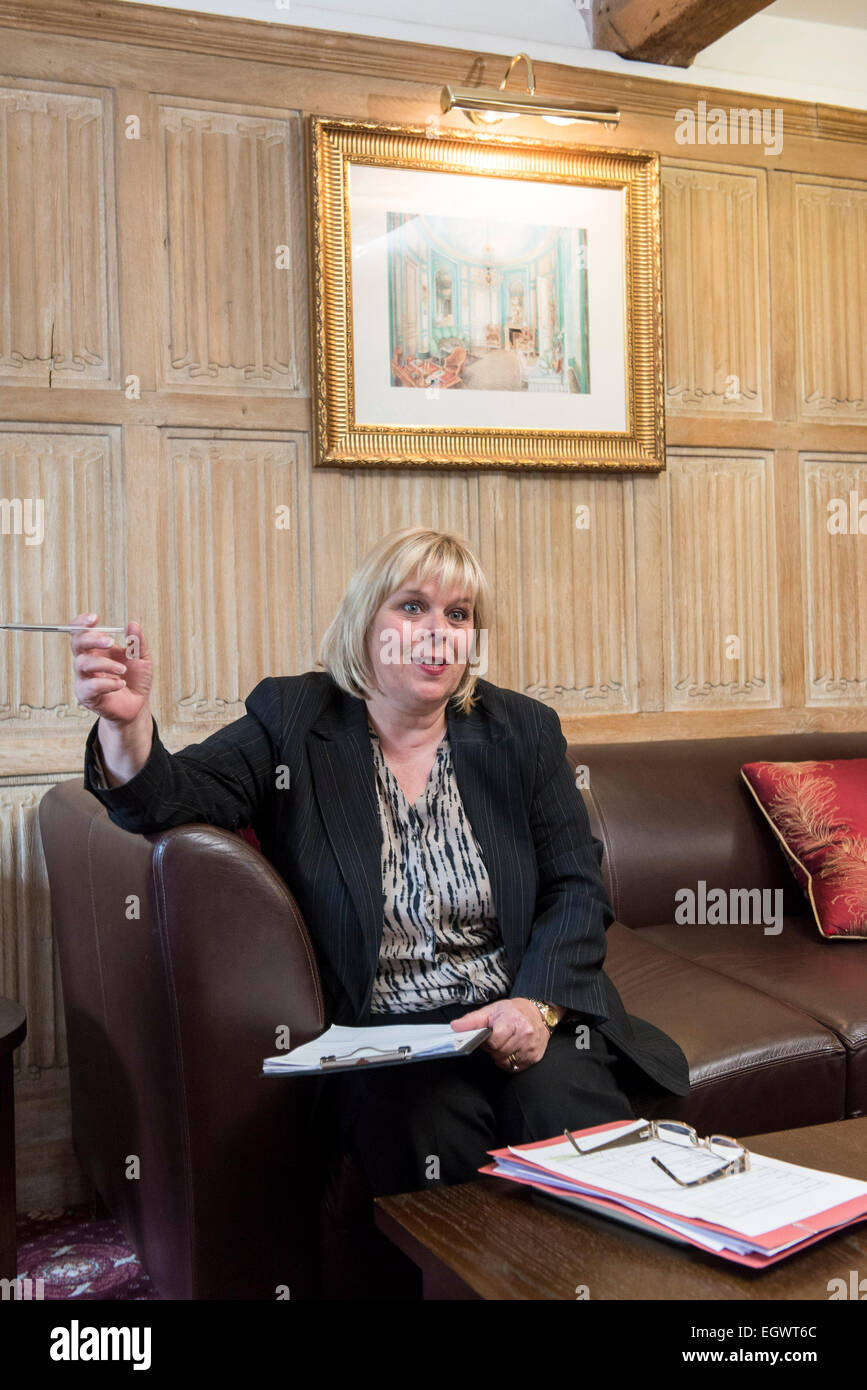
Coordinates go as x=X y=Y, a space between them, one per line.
x=428 y=825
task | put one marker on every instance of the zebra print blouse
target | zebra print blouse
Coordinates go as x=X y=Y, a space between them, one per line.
x=441 y=943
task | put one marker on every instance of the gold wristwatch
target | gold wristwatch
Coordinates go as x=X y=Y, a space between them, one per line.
x=548 y=1014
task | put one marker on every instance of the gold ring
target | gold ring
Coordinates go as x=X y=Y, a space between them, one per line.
x=513 y=1059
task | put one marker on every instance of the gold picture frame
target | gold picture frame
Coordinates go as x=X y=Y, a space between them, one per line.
x=380 y=294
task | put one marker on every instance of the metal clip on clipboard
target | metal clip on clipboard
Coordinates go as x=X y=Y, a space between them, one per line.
x=401 y=1055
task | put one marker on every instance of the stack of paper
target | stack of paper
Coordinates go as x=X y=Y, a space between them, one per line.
x=754 y=1218
x=340 y=1048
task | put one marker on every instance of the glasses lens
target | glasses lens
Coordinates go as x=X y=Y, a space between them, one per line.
x=673 y=1132
x=725 y=1148
x=689 y=1165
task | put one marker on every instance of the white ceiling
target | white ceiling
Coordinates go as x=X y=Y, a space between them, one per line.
x=851 y=13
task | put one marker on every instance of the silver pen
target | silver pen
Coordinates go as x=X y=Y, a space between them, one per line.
x=58 y=627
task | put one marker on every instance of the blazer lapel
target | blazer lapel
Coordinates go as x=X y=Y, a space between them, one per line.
x=344 y=782
x=489 y=781
x=344 y=779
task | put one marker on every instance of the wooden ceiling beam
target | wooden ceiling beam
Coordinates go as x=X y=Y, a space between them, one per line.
x=669 y=32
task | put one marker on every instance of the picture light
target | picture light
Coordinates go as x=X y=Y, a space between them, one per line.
x=488 y=106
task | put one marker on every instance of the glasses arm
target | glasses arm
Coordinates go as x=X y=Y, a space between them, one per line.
x=737 y=1165
x=632 y=1138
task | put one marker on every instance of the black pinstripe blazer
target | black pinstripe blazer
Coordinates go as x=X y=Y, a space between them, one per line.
x=322 y=833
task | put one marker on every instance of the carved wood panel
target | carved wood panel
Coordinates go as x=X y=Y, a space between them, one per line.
x=722 y=581
x=715 y=267
x=232 y=208
x=235 y=527
x=831 y=255
x=61 y=548
x=834 y=538
x=58 y=277
x=561 y=551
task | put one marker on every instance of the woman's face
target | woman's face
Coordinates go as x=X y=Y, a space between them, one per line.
x=419 y=643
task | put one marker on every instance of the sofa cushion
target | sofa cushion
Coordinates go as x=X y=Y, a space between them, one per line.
x=796 y=968
x=818 y=812
x=753 y=1060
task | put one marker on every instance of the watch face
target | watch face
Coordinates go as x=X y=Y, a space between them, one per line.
x=548 y=1014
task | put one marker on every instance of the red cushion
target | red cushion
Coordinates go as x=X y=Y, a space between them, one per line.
x=818 y=811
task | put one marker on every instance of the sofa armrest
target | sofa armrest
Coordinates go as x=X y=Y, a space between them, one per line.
x=238 y=966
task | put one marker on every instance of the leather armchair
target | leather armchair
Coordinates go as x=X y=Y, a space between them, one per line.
x=179 y=954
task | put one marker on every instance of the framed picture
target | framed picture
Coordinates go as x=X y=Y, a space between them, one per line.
x=484 y=302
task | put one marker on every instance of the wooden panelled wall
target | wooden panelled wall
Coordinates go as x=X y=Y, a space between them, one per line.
x=151 y=163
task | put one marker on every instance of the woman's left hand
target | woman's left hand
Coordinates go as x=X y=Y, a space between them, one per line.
x=518 y=1029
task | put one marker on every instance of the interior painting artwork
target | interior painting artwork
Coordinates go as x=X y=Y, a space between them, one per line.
x=478 y=305
x=483 y=302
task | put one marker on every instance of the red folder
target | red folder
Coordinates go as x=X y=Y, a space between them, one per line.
x=811 y=1229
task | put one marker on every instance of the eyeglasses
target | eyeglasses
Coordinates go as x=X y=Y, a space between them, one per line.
x=735 y=1158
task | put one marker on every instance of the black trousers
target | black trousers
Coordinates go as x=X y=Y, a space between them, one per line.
x=430 y=1123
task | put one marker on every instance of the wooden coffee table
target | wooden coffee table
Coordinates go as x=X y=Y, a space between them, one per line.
x=495 y=1239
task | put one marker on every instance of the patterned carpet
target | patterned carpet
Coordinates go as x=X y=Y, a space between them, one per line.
x=79 y=1257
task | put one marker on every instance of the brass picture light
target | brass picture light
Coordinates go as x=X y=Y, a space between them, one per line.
x=488 y=106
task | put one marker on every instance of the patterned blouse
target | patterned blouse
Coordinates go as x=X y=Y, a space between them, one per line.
x=441 y=943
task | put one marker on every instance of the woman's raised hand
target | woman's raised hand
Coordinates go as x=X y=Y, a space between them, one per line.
x=114 y=684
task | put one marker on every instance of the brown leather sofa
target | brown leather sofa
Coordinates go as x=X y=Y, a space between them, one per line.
x=179 y=950
x=774 y=1025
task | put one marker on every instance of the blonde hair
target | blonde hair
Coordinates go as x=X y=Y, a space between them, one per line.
x=413 y=550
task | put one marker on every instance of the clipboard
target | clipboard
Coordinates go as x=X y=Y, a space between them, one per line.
x=402 y=1056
